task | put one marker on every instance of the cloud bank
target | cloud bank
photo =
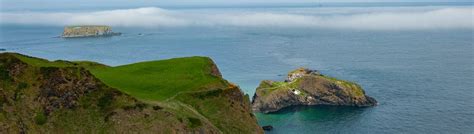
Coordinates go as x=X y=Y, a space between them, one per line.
x=441 y=18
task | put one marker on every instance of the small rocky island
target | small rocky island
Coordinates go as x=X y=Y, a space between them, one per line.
x=88 y=31
x=308 y=87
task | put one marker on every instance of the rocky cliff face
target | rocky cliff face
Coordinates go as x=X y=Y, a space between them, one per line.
x=308 y=87
x=64 y=97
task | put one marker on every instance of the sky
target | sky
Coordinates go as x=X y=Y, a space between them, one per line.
x=146 y=13
x=361 y=18
x=71 y=3
x=30 y=5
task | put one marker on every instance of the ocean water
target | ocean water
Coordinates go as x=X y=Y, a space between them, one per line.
x=422 y=77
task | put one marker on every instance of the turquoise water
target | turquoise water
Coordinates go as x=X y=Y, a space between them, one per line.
x=422 y=78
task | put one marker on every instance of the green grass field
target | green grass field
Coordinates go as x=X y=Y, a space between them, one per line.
x=160 y=80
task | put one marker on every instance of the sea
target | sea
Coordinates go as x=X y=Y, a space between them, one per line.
x=416 y=59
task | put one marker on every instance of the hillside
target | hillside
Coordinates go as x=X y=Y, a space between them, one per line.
x=183 y=95
x=160 y=80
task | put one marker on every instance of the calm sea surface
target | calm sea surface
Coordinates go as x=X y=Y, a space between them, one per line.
x=422 y=78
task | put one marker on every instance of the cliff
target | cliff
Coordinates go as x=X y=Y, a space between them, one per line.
x=87 y=31
x=40 y=96
x=308 y=87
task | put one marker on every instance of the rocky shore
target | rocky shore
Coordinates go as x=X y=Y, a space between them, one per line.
x=308 y=87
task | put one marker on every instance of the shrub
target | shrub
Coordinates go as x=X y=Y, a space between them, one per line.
x=22 y=85
x=40 y=118
x=194 y=122
x=4 y=75
x=105 y=100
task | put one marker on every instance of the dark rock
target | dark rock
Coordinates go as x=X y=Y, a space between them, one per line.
x=157 y=107
x=267 y=128
x=3 y=49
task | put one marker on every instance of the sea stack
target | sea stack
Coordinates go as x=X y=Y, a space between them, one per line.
x=88 y=31
x=308 y=87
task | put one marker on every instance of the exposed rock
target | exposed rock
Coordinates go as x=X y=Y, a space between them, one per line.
x=300 y=72
x=308 y=87
x=215 y=71
x=267 y=128
x=88 y=31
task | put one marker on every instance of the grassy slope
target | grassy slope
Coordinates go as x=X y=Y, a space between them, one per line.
x=25 y=101
x=265 y=88
x=183 y=80
x=153 y=80
x=356 y=89
x=171 y=83
x=160 y=80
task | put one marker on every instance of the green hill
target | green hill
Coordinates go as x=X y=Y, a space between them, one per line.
x=160 y=80
x=182 y=95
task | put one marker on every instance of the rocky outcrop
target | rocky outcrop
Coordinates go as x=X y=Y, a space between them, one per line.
x=308 y=87
x=88 y=31
x=214 y=70
x=267 y=128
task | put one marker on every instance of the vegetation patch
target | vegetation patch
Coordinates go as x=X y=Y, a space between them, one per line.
x=194 y=122
x=141 y=106
x=269 y=86
x=4 y=75
x=22 y=85
x=105 y=100
x=206 y=94
x=40 y=118
x=355 y=88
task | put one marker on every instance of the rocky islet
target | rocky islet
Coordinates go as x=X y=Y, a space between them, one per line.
x=308 y=87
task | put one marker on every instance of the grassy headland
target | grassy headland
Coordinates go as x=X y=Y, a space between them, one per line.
x=168 y=96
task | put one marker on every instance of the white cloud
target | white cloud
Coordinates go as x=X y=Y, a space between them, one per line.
x=440 y=18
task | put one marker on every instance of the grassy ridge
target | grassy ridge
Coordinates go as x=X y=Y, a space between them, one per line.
x=153 y=80
x=160 y=80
